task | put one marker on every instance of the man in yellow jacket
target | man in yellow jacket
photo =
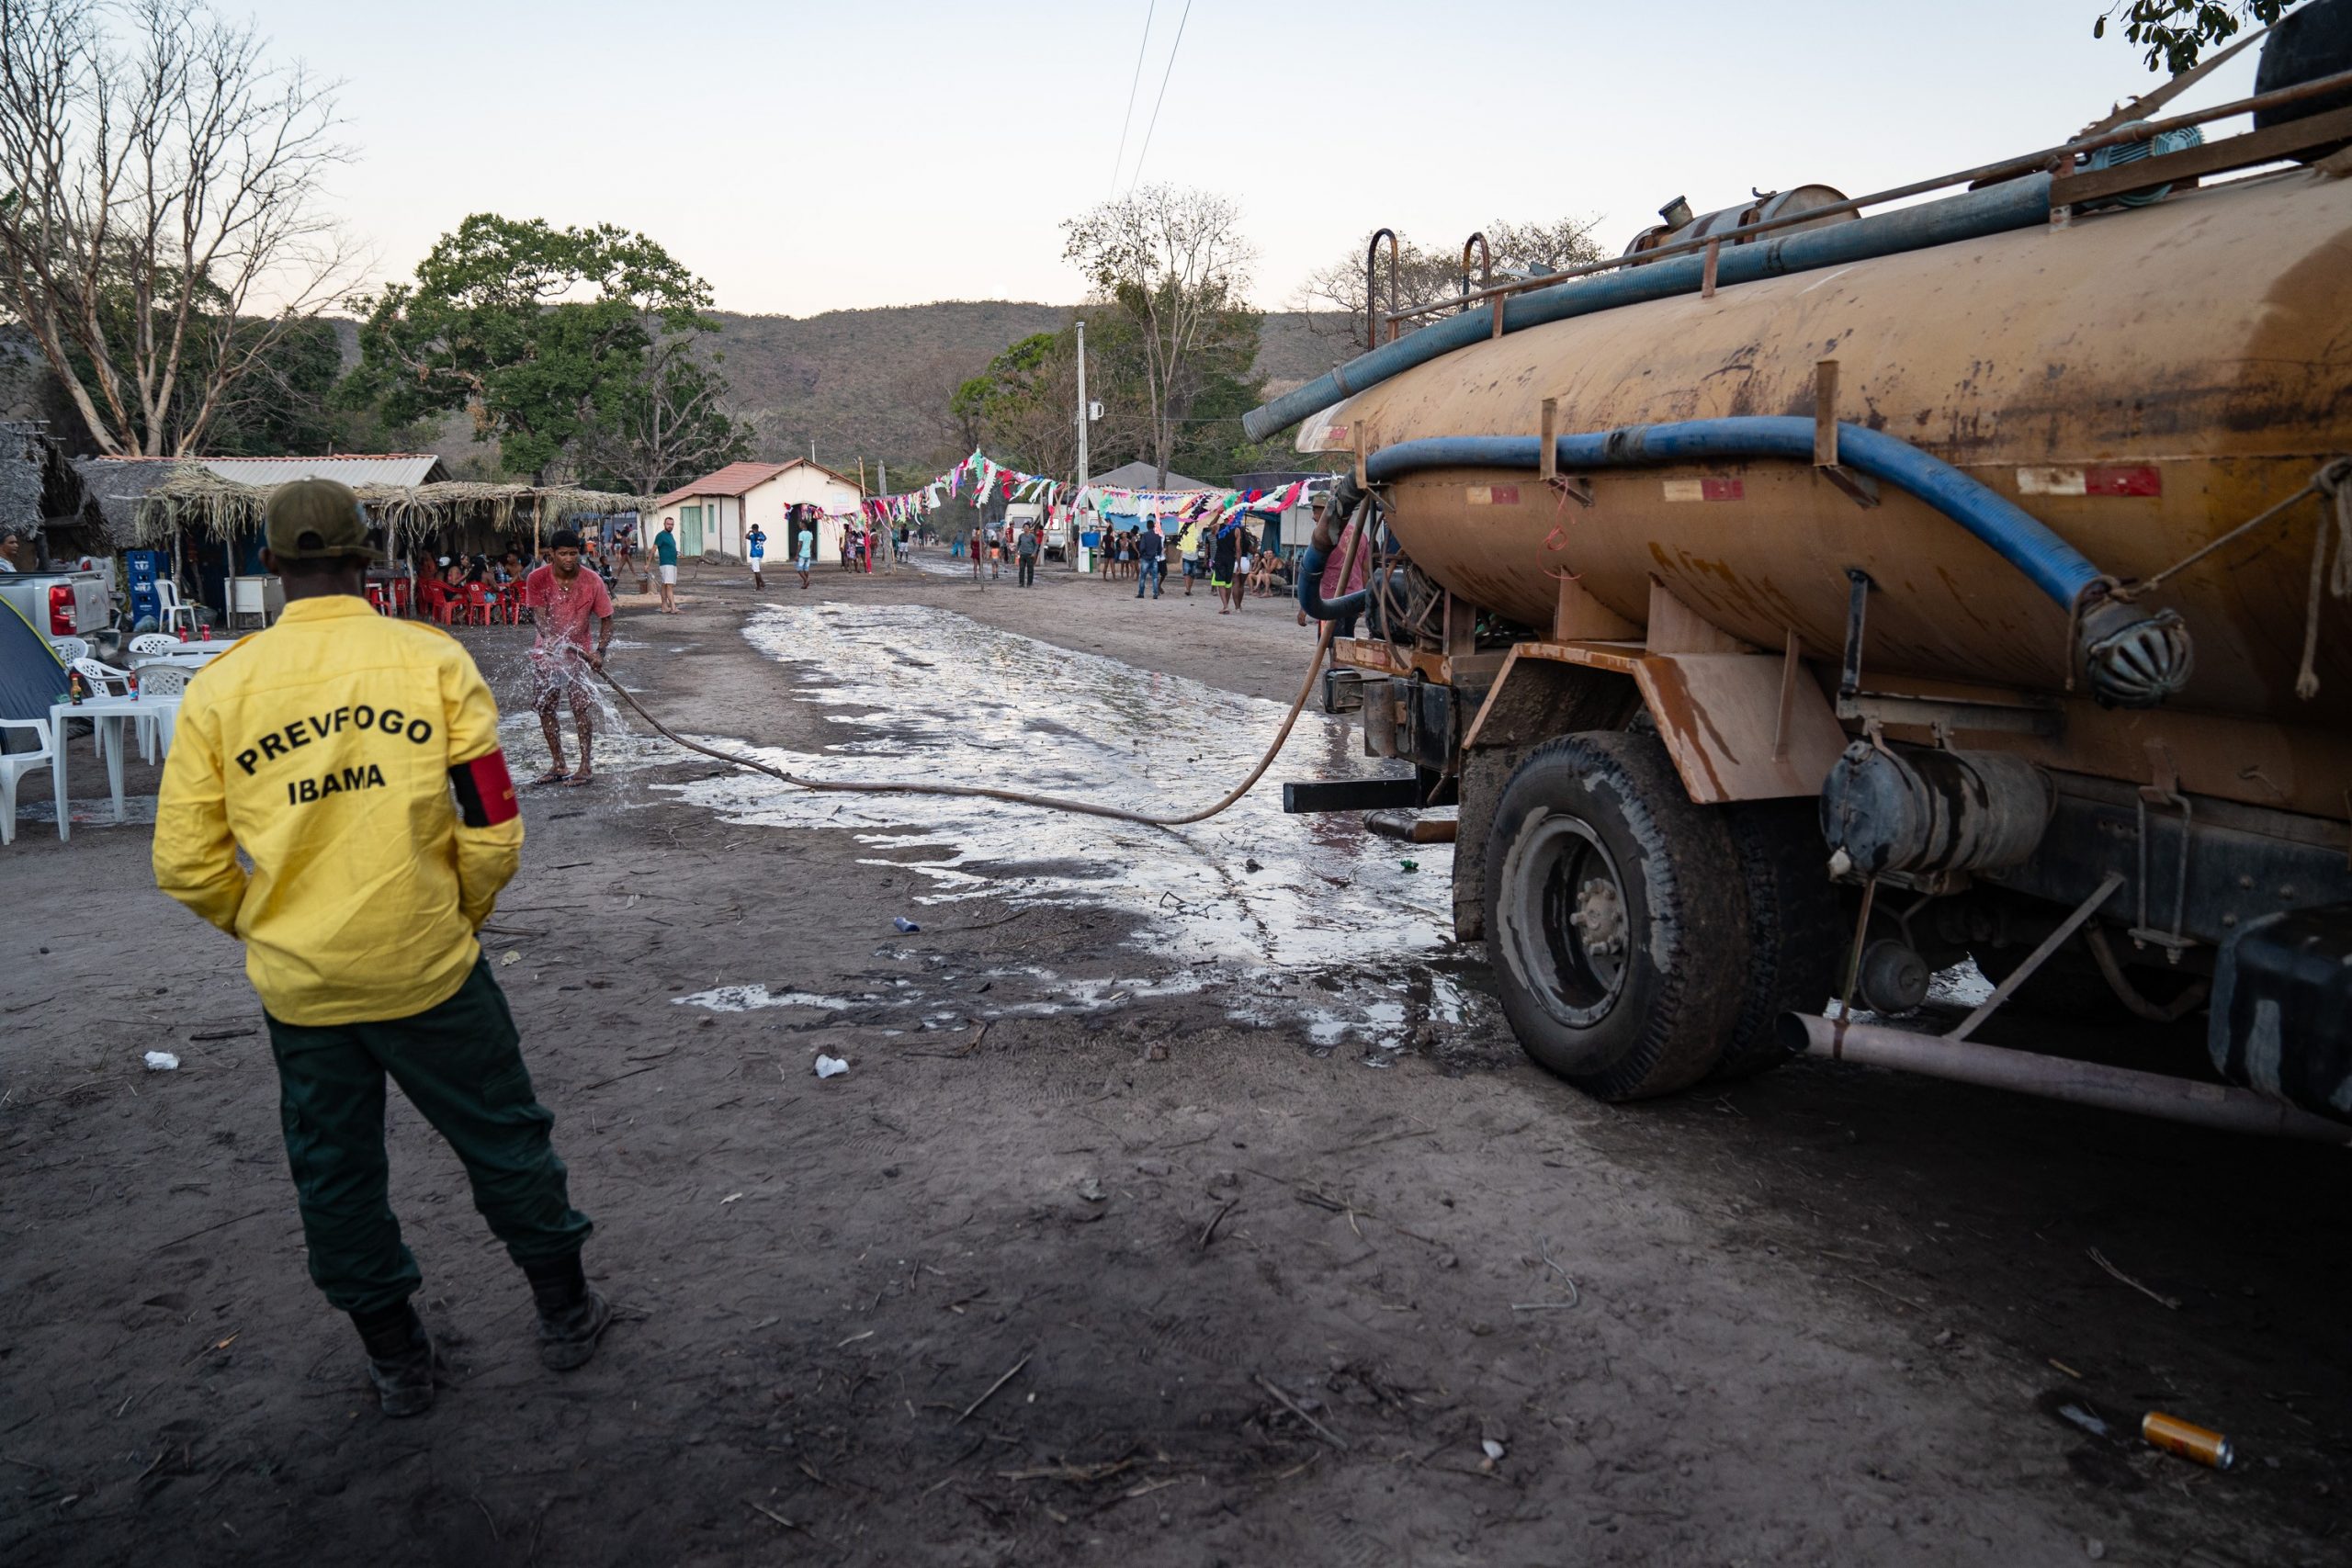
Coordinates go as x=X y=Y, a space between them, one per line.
x=354 y=761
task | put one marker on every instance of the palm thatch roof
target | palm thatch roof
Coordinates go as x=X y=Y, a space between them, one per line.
x=195 y=497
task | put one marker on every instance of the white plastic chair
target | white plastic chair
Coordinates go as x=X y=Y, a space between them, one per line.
x=103 y=680
x=175 y=611
x=155 y=642
x=13 y=765
x=69 y=649
x=164 y=680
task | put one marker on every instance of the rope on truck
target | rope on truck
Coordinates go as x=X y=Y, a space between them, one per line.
x=2331 y=481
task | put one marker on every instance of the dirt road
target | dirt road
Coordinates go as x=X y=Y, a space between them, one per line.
x=1184 y=1201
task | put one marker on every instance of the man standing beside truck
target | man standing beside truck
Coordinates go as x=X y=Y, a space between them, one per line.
x=328 y=749
x=11 y=542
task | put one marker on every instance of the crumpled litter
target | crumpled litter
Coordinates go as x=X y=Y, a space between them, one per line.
x=831 y=1066
x=905 y=924
x=162 y=1062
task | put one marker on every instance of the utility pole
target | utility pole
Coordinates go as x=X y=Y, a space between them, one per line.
x=1084 y=422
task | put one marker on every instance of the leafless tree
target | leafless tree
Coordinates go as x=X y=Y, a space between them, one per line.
x=671 y=424
x=1333 y=298
x=1175 y=262
x=163 y=232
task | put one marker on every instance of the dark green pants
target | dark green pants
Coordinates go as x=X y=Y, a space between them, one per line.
x=459 y=1064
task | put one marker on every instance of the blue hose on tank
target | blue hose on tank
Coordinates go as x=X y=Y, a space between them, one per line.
x=2012 y=204
x=2135 y=658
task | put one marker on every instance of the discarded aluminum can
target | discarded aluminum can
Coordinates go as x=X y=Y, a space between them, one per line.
x=2187 y=1439
x=905 y=924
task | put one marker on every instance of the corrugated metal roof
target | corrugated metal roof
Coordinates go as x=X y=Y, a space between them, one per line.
x=389 y=468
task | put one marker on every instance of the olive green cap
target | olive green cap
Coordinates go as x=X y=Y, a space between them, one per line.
x=317 y=520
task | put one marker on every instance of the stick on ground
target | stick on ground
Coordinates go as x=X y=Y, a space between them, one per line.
x=1291 y=1404
x=992 y=1388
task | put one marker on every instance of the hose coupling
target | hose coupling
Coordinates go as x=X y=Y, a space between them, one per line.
x=2134 y=657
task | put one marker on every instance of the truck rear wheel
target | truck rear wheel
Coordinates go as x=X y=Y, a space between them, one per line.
x=1616 y=918
x=1798 y=931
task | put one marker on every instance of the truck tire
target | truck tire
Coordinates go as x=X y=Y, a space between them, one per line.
x=1616 y=918
x=1798 y=931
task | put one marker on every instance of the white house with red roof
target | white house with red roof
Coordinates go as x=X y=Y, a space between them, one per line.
x=713 y=513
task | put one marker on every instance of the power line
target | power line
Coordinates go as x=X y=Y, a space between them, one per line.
x=1128 y=118
x=1163 y=93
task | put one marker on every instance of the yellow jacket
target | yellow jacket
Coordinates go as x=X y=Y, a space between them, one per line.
x=328 y=749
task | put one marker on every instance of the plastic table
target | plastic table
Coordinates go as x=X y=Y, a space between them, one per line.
x=113 y=716
x=191 y=657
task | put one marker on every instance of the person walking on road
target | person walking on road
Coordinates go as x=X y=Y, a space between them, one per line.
x=1152 y=549
x=804 y=556
x=1026 y=547
x=665 y=561
x=565 y=601
x=353 y=760
x=1224 y=553
x=756 y=544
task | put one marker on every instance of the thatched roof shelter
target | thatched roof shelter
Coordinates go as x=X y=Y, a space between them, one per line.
x=462 y=513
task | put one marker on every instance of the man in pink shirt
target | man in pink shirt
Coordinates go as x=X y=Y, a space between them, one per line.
x=564 y=601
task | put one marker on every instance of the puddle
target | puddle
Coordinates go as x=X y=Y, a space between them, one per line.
x=917 y=691
x=750 y=999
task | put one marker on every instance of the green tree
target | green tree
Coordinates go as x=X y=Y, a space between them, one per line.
x=287 y=405
x=2176 y=32
x=1022 y=407
x=666 y=426
x=539 y=334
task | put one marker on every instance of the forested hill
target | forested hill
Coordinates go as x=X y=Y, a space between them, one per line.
x=877 y=383
x=869 y=381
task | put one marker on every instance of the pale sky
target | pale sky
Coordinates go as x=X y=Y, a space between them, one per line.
x=812 y=157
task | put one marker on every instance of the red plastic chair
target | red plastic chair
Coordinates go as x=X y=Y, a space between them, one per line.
x=477 y=604
x=446 y=608
x=375 y=597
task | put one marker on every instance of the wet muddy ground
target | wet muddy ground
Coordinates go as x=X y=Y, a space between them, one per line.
x=1184 y=1201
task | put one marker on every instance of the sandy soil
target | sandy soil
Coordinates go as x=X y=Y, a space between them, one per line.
x=1117 y=1242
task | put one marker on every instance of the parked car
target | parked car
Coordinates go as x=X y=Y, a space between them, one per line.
x=62 y=600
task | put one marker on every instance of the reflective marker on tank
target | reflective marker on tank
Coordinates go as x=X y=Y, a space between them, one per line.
x=2098 y=479
x=2187 y=1439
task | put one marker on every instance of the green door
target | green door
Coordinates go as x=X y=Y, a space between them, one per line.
x=690 y=530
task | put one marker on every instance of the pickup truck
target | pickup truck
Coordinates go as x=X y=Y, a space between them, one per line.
x=64 y=601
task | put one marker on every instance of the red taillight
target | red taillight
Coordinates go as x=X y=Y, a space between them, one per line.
x=60 y=609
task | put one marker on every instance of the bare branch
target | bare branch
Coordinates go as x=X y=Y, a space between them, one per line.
x=1175 y=261
x=166 y=232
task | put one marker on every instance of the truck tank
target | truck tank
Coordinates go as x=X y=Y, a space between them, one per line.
x=1760 y=610
x=2141 y=381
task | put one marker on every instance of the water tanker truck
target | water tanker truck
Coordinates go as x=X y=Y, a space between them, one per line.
x=1815 y=597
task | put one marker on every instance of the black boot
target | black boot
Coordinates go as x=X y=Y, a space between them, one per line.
x=572 y=1316
x=400 y=1359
